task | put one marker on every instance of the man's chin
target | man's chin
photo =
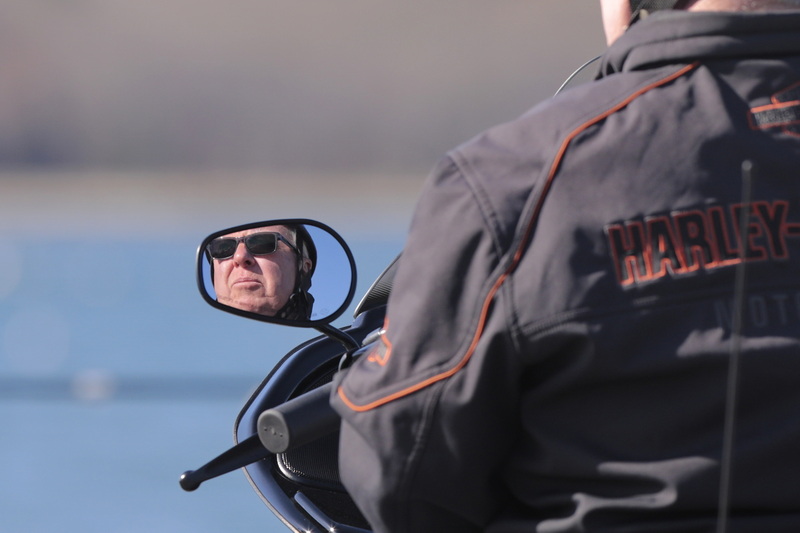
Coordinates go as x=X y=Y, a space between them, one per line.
x=252 y=307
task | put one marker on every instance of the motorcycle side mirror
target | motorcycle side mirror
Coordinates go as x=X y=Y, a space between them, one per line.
x=294 y=272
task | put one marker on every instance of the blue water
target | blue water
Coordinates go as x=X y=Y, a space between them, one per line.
x=115 y=377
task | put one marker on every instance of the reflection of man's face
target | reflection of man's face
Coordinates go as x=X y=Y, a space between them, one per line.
x=258 y=283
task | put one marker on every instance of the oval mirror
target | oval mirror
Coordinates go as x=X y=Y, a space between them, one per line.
x=295 y=272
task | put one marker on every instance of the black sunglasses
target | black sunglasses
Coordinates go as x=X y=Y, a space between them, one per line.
x=257 y=244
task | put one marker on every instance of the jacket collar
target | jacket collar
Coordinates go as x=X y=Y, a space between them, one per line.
x=684 y=37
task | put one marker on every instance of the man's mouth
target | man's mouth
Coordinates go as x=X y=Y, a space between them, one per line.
x=246 y=281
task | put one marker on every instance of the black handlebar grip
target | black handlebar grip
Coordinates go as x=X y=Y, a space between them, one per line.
x=299 y=421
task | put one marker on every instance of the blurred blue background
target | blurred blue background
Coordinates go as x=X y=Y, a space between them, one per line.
x=131 y=130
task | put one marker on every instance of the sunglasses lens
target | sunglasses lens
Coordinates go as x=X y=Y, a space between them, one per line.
x=261 y=243
x=222 y=248
x=257 y=244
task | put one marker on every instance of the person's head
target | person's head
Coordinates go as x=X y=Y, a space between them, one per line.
x=260 y=269
x=618 y=15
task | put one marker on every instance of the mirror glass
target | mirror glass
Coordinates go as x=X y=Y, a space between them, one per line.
x=290 y=271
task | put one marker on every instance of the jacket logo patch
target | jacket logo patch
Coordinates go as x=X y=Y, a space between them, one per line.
x=381 y=351
x=784 y=112
x=685 y=242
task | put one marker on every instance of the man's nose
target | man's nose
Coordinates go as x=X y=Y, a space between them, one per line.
x=242 y=255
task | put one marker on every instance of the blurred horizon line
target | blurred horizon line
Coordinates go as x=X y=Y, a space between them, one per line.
x=132 y=204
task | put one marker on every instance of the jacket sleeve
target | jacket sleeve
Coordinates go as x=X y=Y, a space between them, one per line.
x=430 y=412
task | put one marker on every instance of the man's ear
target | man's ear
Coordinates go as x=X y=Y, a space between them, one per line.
x=306 y=265
x=616 y=18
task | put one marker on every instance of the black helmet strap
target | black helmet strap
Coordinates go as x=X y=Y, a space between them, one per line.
x=640 y=7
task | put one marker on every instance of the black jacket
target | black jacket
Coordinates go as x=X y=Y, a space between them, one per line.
x=559 y=333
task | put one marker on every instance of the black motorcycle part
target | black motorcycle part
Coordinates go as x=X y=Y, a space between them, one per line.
x=299 y=421
x=301 y=485
x=246 y=452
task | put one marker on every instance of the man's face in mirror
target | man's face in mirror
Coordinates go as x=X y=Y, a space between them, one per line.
x=257 y=282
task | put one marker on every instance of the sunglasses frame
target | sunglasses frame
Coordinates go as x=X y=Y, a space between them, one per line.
x=243 y=239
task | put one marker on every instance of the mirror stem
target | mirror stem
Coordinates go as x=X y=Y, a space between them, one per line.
x=349 y=343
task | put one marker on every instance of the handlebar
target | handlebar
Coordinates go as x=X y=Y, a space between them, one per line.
x=299 y=421
x=246 y=452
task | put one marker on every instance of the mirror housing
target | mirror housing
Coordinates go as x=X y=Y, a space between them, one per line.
x=299 y=272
